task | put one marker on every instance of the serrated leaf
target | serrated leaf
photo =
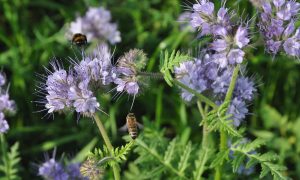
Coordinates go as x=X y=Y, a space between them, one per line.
x=200 y=163
x=170 y=151
x=237 y=162
x=220 y=157
x=183 y=163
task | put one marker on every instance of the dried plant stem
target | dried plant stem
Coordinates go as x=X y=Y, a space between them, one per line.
x=223 y=136
x=108 y=144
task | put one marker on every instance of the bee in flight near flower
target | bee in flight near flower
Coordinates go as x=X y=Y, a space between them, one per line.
x=79 y=39
x=132 y=125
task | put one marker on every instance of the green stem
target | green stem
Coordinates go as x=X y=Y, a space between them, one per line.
x=223 y=136
x=204 y=130
x=108 y=144
x=199 y=96
x=4 y=155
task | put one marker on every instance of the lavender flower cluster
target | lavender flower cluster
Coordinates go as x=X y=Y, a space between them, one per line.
x=96 y=25
x=75 y=89
x=204 y=75
x=229 y=38
x=53 y=170
x=6 y=105
x=277 y=24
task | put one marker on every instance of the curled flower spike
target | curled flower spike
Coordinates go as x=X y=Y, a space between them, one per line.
x=67 y=91
x=204 y=75
x=128 y=67
x=277 y=25
x=229 y=38
x=97 y=67
x=7 y=106
x=96 y=25
x=90 y=169
x=54 y=170
x=3 y=124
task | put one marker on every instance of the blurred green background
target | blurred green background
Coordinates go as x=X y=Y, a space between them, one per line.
x=32 y=32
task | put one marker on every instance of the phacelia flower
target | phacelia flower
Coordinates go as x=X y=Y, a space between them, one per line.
x=277 y=25
x=96 y=25
x=128 y=69
x=229 y=37
x=205 y=76
x=3 y=124
x=90 y=169
x=184 y=21
x=7 y=106
x=52 y=170
x=55 y=170
x=97 y=67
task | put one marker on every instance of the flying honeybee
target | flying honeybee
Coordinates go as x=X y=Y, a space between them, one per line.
x=79 y=39
x=132 y=125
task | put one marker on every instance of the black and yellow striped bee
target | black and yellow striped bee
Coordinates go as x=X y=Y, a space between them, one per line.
x=79 y=39
x=132 y=125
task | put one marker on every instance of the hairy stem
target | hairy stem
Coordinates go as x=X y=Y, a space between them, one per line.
x=4 y=155
x=204 y=130
x=154 y=75
x=199 y=96
x=223 y=136
x=108 y=144
x=205 y=134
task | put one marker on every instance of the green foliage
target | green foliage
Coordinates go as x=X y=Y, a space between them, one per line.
x=169 y=61
x=10 y=162
x=219 y=120
x=242 y=150
x=103 y=157
x=173 y=160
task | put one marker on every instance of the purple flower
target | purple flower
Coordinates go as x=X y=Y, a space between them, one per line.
x=292 y=47
x=204 y=75
x=244 y=89
x=227 y=35
x=241 y=37
x=277 y=25
x=57 y=86
x=96 y=25
x=219 y=45
x=235 y=56
x=2 y=79
x=52 y=170
x=128 y=67
x=73 y=170
x=273 y=46
x=238 y=109
x=3 y=124
x=97 y=67
x=84 y=101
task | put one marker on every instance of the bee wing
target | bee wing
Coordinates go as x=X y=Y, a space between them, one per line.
x=123 y=128
x=140 y=126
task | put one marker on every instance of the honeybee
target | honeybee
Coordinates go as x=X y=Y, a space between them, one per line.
x=132 y=125
x=79 y=39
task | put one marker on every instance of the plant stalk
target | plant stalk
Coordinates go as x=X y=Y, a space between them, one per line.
x=108 y=144
x=223 y=136
x=199 y=96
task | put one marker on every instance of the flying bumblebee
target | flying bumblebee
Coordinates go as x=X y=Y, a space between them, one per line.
x=79 y=39
x=132 y=125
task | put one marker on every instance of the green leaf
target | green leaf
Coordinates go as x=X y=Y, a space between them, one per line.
x=168 y=62
x=220 y=157
x=200 y=163
x=183 y=163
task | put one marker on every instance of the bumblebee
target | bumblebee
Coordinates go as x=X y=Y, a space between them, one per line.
x=132 y=125
x=79 y=39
